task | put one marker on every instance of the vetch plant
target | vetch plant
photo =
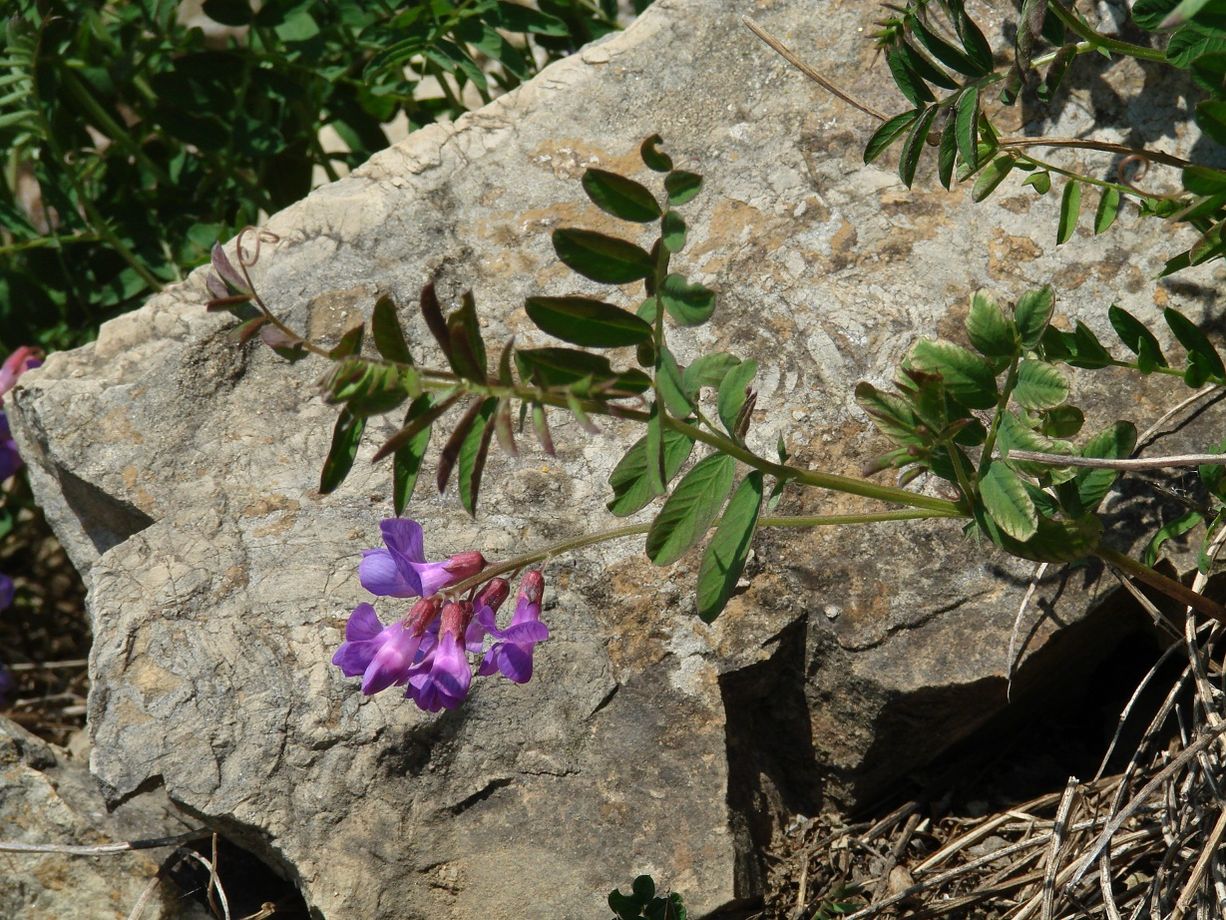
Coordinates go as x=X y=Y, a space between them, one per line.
x=993 y=421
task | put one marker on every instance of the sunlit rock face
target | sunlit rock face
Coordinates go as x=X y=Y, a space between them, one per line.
x=180 y=471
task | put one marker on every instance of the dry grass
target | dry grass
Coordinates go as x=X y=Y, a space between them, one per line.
x=1144 y=843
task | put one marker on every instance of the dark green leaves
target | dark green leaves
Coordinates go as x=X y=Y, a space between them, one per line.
x=1114 y=443
x=967 y=126
x=552 y=367
x=690 y=509
x=473 y=452
x=990 y=330
x=388 y=336
x=688 y=304
x=1204 y=363
x=1137 y=339
x=992 y=175
x=1070 y=210
x=631 y=484
x=1006 y=501
x=681 y=186
x=725 y=556
x=587 y=322
x=406 y=459
x=890 y=131
x=967 y=378
x=345 y=438
x=1033 y=313
x=620 y=196
x=1040 y=385
x=913 y=146
x=1108 y=208
x=602 y=258
x=733 y=394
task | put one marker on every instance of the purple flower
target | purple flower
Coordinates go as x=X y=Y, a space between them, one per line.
x=23 y=359
x=384 y=656
x=7 y=590
x=511 y=654
x=401 y=570
x=441 y=680
x=10 y=459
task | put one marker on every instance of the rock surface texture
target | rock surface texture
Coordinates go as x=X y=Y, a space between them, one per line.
x=180 y=472
x=46 y=798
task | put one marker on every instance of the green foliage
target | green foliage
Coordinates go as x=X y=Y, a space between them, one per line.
x=1038 y=510
x=644 y=904
x=134 y=140
x=943 y=66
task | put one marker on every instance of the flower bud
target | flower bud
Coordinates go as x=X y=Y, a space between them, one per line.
x=532 y=586
x=455 y=617
x=493 y=593
x=464 y=565
x=421 y=615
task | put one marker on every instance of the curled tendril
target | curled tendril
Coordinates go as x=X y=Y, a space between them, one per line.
x=1136 y=163
x=256 y=237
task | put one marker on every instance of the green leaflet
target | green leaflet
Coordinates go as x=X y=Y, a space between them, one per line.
x=690 y=509
x=967 y=377
x=630 y=481
x=586 y=321
x=1033 y=313
x=388 y=336
x=1137 y=339
x=1070 y=210
x=725 y=556
x=1040 y=385
x=1006 y=500
x=733 y=392
x=887 y=134
x=406 y=460
x=602 y=258
x=991 y=332
x=473 y=452
x=345 y=438
x=620 y=196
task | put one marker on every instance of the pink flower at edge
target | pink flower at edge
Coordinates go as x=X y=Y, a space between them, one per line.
x=23 y=359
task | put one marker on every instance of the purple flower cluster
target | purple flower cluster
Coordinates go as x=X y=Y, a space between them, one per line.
x=428 y=651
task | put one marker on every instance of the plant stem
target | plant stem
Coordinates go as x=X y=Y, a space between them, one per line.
x=1157 y=156
x=1099 y=463
x=1167 y=586
x=545 y=553
x=989 y=443
x=1074 y=24
x=788 y=55
x=831 y=481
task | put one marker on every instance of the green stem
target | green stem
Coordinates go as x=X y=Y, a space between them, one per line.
x=1167 y=586
x=1088 y=180
x=830 y=481
x=545 y=553
x=1001 y=404
x=1074 y=24
x=1156 y=156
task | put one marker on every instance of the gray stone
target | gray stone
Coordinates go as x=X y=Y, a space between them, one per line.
x=46 y=798
x=180 y=472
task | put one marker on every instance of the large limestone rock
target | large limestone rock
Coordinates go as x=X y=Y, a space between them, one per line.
x=180 y=471
x=48 y=799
